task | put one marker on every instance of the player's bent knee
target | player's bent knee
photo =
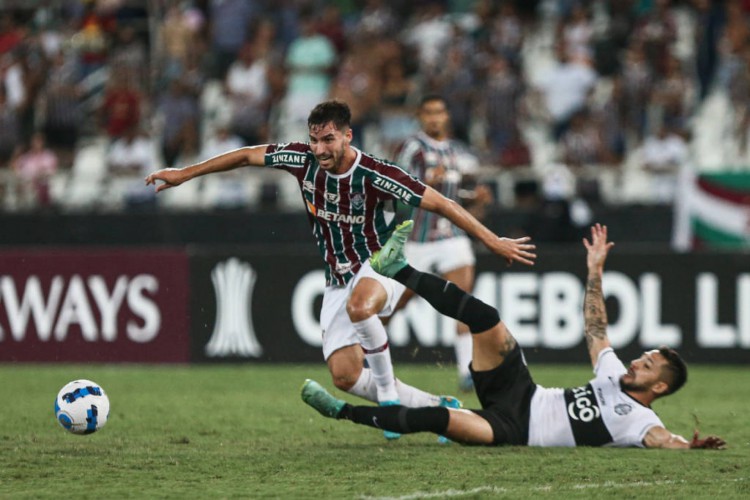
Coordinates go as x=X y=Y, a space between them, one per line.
x=360 y=310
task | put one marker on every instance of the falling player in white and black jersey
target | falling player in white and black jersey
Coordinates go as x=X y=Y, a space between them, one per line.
x=349 y=196
x=613 y=409
x=436 y=245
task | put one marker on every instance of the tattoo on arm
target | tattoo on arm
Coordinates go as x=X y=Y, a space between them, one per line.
x=594 y=312
x=508 y=344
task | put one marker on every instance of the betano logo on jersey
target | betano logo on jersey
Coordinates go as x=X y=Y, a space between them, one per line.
x=333 y=216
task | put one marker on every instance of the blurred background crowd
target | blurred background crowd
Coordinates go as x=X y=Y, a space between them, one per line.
x=591 y=101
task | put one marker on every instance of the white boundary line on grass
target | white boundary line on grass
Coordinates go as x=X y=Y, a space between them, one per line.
x=500 y=490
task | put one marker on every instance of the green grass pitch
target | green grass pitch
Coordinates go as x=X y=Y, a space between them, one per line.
x=242 y=432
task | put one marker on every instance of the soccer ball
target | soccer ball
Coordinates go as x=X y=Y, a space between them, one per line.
x=82 y=407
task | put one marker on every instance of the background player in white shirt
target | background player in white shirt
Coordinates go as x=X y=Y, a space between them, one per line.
x=613 y=409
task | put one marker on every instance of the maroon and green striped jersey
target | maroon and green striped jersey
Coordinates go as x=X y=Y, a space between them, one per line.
x=421 y=153
x=351 y=214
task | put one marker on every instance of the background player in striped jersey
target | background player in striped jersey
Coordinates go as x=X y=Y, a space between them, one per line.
x=613 y=409
x=350 y=197
x=436 y=245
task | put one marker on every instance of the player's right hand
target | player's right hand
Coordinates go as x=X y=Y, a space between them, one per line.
x=707 y=443
x=169 y=176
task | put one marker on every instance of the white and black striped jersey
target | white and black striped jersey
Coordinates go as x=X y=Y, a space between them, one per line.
x=597 y=414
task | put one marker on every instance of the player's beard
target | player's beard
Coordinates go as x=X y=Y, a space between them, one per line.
x=631 y=386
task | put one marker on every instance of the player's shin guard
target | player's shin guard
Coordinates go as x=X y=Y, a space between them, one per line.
x=374 y=341
x=450 y=300
x=399 y=418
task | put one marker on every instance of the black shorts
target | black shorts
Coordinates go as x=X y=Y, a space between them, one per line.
x=505 y=394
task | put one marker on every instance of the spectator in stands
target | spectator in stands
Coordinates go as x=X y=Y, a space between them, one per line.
x=181 y=117
x=33 y=169
x=429 y=34
x=121 y=107
x=309 y=64
x=709 y=20
x=9 y=130
x=24 y=77
x=507 y=35
x=331 y=26
x=230 y=20
x=516 y=152
x=672 y=96
x=637 y=82
x=397 y=106
x=662 y=155
x=62 y=108
x=576 y=32
x=129 y=53
x=249 y=92
x=656 y=32
x=608 y=116
x=566 y=87
x=93 y=37
x=11 y=35
x=176 y=39
x=377 y=20
x=129 y=159
x=358 y=84
x=500 y=102
x=454 y=79
x=582 y=143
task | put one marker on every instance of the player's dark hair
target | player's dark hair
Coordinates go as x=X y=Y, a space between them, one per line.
x=333 y=111
x=432 y=97
x=675 y=371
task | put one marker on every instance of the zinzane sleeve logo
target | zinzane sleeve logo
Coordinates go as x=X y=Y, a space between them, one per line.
x=585 y=417
x=292 y=155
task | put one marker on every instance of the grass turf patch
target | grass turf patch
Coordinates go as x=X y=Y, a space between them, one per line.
x=242 y=431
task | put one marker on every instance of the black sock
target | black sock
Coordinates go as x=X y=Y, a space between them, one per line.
x=449 y=300
x=399 y=418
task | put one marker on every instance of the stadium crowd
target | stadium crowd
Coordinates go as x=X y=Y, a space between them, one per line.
x=555 y=96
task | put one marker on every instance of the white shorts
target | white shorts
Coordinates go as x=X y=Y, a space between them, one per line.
x=338 y=330
x=440 y=256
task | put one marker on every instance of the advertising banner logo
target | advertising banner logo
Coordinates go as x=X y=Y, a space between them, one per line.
x=94 y=305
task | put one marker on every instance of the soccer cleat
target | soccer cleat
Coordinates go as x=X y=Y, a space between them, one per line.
x=390 y=259
x=448 y=402
x=316 y=396
x=390 y=435
x=465 y=383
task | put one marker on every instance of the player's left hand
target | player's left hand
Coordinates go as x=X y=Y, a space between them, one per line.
x=707 y=443
x=515 y=250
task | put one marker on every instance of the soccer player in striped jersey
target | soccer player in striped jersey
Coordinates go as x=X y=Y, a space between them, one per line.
x=436 y=245
x=350 y=197
x=613 y=409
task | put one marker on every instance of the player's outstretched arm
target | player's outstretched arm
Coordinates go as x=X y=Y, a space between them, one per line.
x=514 y=250
x=253 y=156
x=659 y=437
x=594 y=311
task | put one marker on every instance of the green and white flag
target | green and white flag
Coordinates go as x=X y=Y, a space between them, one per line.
x=712 y=211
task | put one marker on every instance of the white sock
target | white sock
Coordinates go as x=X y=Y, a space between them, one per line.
x=409 y=396
x=374 y=340
x=463 y=348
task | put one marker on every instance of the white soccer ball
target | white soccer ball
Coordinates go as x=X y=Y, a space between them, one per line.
x=82 y=407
